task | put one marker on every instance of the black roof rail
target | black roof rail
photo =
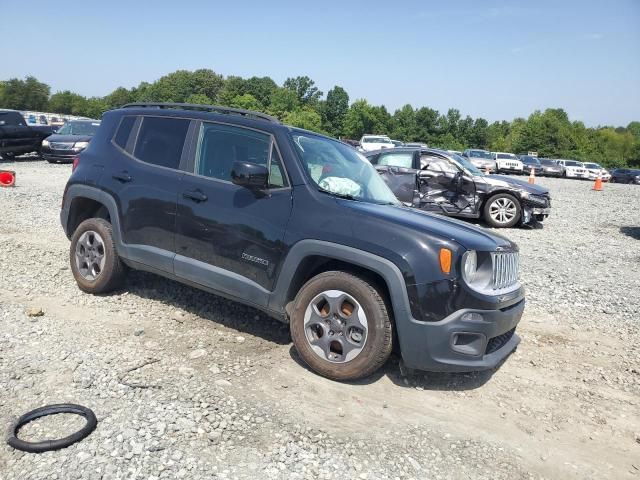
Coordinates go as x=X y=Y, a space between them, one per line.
x=204 y=108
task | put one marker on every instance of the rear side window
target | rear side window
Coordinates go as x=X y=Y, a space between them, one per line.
x=123 y=132
x=160 y=141
x=403 y=160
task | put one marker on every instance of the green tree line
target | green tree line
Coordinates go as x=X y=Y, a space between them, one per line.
x=300 y=103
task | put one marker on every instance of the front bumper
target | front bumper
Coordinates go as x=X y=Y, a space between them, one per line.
x=58 y=155
x=519 y=171
x=576 y=175
x=552 y=173
x=467 y=340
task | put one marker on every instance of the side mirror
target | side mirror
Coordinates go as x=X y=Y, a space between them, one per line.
x=250 y=175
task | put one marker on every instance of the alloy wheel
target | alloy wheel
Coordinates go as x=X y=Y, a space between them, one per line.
x=502 y=210
x=90 y=255
x=335 y=326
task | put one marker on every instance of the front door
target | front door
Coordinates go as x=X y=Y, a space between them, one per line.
x=230 y=238
x=444 y=187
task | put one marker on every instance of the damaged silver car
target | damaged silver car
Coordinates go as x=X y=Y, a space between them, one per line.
x=442 y=182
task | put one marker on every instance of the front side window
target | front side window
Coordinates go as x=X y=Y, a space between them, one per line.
x=160 y=141
x=438 y=165
x=339 y=170
x=402 y=160
x=219 y=146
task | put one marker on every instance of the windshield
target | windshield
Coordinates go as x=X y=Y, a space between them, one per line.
x=340 y=170
x=480 y=154
x=79 y=128
x=545 y=161
x=592 y=165
x=470 y=167
x=571 y=163
x=376 y=140
x=530 y=160
x=510 y=156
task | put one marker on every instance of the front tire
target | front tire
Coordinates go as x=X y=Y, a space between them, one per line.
x=340 y=326
x=502 y=211
x=95 y=263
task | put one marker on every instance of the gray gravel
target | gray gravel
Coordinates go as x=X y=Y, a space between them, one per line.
x=189 y=385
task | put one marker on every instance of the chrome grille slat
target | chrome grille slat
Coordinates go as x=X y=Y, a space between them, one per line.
x=505 y=270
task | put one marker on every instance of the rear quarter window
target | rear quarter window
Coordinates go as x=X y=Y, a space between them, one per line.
x=124 y=131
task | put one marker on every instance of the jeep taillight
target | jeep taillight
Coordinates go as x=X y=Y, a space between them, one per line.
x=76 y=159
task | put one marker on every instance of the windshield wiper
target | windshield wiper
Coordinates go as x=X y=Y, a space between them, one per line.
x=346 y=196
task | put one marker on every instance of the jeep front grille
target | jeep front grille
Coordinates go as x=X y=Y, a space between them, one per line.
x=506 y=266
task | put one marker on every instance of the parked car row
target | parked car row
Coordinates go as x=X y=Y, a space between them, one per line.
x=19 y=137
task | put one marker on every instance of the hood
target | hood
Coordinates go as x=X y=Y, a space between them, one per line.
x=482 y=161
x=69 y=138
x=510 y=182
x=466 y=235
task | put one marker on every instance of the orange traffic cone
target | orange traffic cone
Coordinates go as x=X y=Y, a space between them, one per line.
x=532 y=176
x=7 y=178
x=598 y=185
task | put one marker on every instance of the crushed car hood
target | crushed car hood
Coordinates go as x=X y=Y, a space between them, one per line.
x=505 y=181
x=469 y=236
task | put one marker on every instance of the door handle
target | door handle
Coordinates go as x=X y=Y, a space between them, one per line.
x=123 y=177
x=195 y=195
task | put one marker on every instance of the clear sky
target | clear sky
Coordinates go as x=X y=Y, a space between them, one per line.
x=495 y=59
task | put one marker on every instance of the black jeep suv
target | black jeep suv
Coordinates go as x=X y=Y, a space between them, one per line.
x=293 y=223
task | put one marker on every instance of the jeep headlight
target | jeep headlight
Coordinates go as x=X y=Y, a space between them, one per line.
x=469 y=266
x=45 y=143
x=80 y=145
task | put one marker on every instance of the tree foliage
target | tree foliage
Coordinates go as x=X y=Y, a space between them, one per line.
x=299 y=102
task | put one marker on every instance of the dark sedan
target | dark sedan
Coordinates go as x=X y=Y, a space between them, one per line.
x=531 y=163
x=442 y=182
x=71 y=139
x=550 y=168
x=625 y=175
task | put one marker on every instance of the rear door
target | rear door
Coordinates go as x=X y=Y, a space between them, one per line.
x=144 y=178
x=230 y=238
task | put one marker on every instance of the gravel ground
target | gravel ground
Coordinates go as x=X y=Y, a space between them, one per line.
x=189 y=385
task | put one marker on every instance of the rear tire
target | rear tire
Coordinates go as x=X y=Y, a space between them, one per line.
x=95 y=263
x=340 y=326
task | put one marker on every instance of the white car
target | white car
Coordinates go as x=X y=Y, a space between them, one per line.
x=594 y=169
x=369 y=143
x=573 y=169
x=507 y=162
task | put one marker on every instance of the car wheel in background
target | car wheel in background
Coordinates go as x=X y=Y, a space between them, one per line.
x=502 y=211
x=341 y=327
x=95 y=263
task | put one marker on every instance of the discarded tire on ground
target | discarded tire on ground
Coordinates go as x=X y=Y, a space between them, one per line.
x=48 y=445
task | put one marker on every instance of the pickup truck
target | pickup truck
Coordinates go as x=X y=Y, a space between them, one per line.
x=16 y=137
